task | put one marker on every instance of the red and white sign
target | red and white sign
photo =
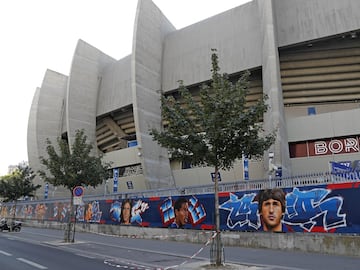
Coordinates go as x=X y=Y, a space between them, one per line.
x=325 y=147
x=78 y=191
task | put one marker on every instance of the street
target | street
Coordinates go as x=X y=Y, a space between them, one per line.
x=17 y=254
x=34 y=248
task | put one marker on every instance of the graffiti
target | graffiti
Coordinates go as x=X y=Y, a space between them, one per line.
x=93 y=213
x=26 y=211
x=197 y=213
x=243 y=211
x=115 y=211
x=196 y=210
x=61 y=211
x=80 y=213
x=4 y=211
x=40 y=211
x=167 y=211
x=305 y=210
x=308 y=209
x=136 y=211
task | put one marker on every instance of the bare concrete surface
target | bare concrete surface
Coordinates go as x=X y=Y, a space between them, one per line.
x=226 y=266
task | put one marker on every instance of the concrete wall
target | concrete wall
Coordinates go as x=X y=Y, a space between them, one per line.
x=308 y=165
x=150 y=28
x=115 y=87
x=82 y=92
x=47 y=113
x=293 y=112
x=123 y=157
x=234 y=33
x=328 y=125
x=201 y=175
x=300 y=21
x=326 y=243
x=274 y=118
x=32 y=145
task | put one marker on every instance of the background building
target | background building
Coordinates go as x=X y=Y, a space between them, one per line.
x=305 y=55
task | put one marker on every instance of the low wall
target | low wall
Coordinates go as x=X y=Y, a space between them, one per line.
x=326 y=243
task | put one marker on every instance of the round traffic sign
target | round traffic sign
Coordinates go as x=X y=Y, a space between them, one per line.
x=78 y=191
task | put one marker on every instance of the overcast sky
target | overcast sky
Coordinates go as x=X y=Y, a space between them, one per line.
x=42 y=34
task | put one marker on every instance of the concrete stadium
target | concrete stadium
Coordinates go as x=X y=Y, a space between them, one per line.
x=305 y=55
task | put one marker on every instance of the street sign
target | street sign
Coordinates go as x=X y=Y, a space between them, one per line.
x=78 y=201
x=78 y=191
x=129 y=184
x=213 y=176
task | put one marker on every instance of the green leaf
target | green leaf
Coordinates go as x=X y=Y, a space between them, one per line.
x=217 y=128
x=73 y=168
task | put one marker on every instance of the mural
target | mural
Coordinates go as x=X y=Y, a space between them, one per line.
x=326 y=208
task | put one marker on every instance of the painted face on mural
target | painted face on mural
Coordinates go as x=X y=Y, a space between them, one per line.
x=181 y=215
x=126 y=213
x=271 y=215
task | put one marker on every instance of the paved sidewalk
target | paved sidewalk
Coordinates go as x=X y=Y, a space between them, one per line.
x=227 y=266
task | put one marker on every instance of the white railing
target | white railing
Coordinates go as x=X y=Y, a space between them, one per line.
x=284 y=182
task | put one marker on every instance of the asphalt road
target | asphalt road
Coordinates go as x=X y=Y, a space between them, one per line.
x=34 y=248
x=16 y=255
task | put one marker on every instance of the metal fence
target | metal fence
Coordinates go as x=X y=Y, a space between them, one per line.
x=321 y=178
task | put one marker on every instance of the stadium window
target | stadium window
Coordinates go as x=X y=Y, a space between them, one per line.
x=311 y=110
x=186 y=165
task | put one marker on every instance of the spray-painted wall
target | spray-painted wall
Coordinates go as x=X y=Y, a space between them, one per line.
x=320 y=208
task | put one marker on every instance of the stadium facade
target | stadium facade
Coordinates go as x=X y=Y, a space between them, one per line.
x=305 y=55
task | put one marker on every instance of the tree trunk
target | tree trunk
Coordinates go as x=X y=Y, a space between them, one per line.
x=68 y=229
x=218 y=245
x=13 y=218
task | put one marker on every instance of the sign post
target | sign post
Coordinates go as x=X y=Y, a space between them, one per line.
x=78 y=192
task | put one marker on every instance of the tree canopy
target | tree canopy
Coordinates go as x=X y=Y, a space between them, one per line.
x=218 y=127
x=71 y=167
x=75 y=166
x=18 y=184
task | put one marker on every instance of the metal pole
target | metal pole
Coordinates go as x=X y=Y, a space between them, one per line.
x=218 y=247
x=271 y=157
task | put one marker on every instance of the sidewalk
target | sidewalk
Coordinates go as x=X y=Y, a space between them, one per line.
x=207 y=266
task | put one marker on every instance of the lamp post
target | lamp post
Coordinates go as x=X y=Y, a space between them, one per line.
x=105 y=187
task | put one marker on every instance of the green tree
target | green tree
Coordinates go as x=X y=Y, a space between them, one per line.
x=215 y=129
x=71 y=167
x=18 y=185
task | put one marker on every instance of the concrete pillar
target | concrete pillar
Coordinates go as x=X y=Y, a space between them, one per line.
x=274 y=119
x=149 y=32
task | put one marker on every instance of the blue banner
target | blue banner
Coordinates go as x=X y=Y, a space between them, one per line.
x=46 y=191
x=340 y=167
x=116 y=177
x=246 y=168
